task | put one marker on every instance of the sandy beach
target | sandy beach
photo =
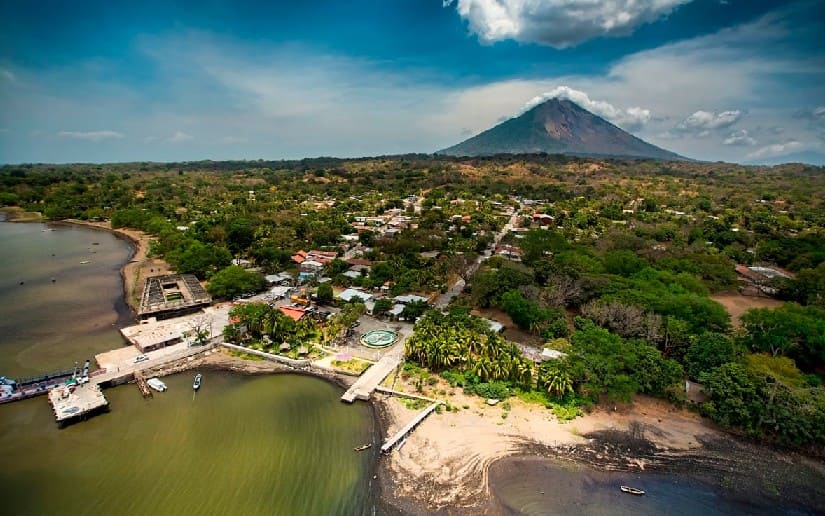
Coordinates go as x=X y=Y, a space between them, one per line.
x=443 y=466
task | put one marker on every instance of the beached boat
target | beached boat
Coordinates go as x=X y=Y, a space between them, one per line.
x=363 y=447
x=156 y=384
x=631 y=490
x=197 y=383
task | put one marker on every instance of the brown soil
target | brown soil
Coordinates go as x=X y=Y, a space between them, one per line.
x=737 y=304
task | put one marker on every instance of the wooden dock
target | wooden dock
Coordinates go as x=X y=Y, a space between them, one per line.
x=143 y=387
x=409 y=427
x=70 y=402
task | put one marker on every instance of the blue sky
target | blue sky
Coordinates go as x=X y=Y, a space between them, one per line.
x=734 y=80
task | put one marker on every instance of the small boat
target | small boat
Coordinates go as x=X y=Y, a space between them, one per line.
x=363 y=447
x=84 y=262
x=631 y=490
x=156 y=384
x=197 y=383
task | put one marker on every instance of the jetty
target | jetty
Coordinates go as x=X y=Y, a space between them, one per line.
x=142 y=385
x=366 y=384
x=409 y=427
x=72 y=401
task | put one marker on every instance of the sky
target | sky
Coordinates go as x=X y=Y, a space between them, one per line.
x=109 y=81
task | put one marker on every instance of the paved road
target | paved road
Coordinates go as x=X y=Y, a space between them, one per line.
x=457 y=287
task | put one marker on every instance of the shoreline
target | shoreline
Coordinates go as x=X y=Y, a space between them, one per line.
x=444 y=467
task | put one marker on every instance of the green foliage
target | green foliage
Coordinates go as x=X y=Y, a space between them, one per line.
x=524 y=313
x=414 y=310
x=234 y=281
x=195 y=257
x=324 y=293
x=382 y=306
x=707 y=352
x=623 y=263
x=494 y=390
x=791 y=330
x=602 y=363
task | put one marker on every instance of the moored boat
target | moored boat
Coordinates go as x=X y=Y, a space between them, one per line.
x=631 y=490
x=156 y=384
x=363 y=447
x=197 y=383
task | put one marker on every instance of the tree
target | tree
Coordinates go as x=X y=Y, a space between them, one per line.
x=382 y=306
x=324 y=293
x=414 y=310
x=707 y=352
x=234 y=281
x=239 y=234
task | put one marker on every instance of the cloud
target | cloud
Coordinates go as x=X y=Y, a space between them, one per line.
x=704 y=121
x=775 y=149
x=819 y=112
x=92 y=136
x=179 y=137
x=739 y=138
x=558 y=23
x=632 y=118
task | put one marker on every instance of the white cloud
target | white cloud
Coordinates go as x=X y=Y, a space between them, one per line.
x=775 y=149
x=703 y=121
x=819 y=112
x=559 y=23
x=631 y=118
x=92 y=136
x=179 y=137
x=739 y=138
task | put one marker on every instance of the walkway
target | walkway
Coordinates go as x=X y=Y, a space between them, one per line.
x=363 y=388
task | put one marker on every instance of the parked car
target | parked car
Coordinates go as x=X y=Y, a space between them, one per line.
x=141 y=358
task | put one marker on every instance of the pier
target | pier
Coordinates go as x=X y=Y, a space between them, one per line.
x=143 y=387
x=363 y=388
x=409 y=427
x=72 y=401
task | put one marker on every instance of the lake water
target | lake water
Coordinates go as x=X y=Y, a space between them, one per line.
x=280 y=444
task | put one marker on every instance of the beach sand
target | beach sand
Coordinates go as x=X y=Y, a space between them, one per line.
x=445 y=460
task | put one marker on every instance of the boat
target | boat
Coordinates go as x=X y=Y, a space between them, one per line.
x=197 y=383
x=156 y=384
x=363 y=447
x=84 y=262
x=631 y=490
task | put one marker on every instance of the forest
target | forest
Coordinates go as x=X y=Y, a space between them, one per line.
x=614 y=264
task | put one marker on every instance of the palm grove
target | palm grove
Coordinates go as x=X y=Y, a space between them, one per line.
x=618 y=283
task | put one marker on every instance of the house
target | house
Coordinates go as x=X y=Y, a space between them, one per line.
x=510 y=252
x=282 y=278
x=352 y=294
x=293 y=312
x=352 y=274
x=278 y=292
x=322 y=257
x=410 y=298
x=395 y=312
x=242 y=262
x=760 y=280
x=543 y=219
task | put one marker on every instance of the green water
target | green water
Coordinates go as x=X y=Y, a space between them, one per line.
x=274 y=445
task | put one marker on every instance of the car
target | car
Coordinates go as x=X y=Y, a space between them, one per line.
x=140 y=358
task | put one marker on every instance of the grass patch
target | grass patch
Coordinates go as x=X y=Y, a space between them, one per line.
x=352 y=365
x=414 y=404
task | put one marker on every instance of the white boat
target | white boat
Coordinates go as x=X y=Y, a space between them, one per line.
x=156 y=384
x=631 y=490
x=197 y=383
